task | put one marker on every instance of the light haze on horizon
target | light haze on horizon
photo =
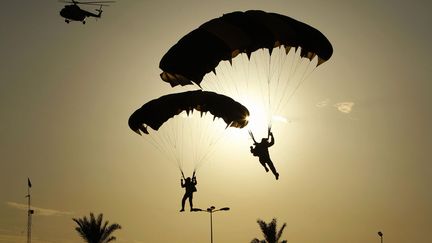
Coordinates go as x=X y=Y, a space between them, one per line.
x=354 y=158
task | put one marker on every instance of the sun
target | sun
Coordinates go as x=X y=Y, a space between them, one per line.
x=260 y=118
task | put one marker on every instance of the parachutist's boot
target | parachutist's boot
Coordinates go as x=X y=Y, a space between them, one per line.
x=182 y=210
x=277 y=176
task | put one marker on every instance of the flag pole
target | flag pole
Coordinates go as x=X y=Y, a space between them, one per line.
x=29 y=211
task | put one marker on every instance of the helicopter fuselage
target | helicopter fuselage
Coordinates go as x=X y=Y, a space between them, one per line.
x=75 y=13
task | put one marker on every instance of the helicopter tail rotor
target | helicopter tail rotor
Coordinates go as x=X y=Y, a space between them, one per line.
x=99 y=10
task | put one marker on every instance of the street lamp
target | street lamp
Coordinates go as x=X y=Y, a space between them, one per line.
x=211 y=210
x=381 y=235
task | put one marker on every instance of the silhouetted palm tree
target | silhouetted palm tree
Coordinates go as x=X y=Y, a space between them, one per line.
x=93 y=231
x=269 y=232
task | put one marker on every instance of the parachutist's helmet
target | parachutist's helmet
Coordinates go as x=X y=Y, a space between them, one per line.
x=188 y=179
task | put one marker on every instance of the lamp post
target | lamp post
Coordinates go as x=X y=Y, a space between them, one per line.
x=381 y=236
x=211 y=210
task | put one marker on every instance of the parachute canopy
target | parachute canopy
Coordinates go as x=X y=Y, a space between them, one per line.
x=158 y=111
x=223 y=38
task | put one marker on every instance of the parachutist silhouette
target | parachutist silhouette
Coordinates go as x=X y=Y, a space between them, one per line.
x=261 y=151
x=189 y=185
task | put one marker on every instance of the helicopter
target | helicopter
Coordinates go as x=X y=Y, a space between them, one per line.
x=73 y=12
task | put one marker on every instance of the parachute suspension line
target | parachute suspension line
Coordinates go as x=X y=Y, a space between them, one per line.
x=301 y=80
x=277 y=62
x=193 y=139
x=288 y=70
x=164 y=144
x=181 y=145
x=222 y=77
x=188 y=138
x=283 y=57
x=158 y=146
x=234 y=75
x=174 y=135
x=244 y=64
x=264 y=72
x=182 y=173
x=201 y=139
x=242 y=79
x=219 y=81
x=251 y=135
x=230 y=78
x=258 y=55
x=246 y=76
x=267 y=63
x=269 y=97
x=242 y=71
x=287 y=82
x=171 y=141
x=295 y=60
x=198 y=157
x=211 y=142
x=188 y=147
x=211 y=81
x=204 y=158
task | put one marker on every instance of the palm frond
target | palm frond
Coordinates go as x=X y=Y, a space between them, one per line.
x=279 y=234
x=269 y=232
x=94 y=230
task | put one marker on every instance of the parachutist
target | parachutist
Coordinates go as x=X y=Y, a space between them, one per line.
x=189 y=185
x=261 y=151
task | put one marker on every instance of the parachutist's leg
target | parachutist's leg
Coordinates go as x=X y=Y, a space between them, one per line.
x=183 y=202
x=190 y=202
x=263 y=163
x=273 y=169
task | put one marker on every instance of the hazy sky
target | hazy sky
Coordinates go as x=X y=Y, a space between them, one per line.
x=67 y=91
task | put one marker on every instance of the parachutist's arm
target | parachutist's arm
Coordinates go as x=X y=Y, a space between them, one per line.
x=272 y=141
x=269 y=132
x=252 y=136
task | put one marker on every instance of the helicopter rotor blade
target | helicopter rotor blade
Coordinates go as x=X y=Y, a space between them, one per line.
x=88 y=2
x=95 y=4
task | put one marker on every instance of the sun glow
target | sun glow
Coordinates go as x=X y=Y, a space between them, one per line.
x=260 y=119
x=264 y=82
